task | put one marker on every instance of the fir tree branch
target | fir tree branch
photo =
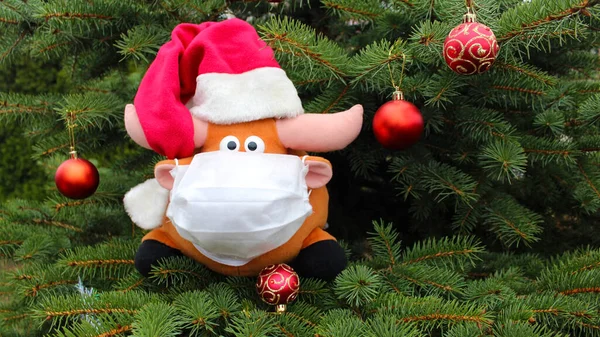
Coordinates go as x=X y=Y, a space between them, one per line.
x=54 y=46
x=57 y=224
x=12 y=47
x=528 y=72
x=164 y=272
x=116 y=331
x=406 y=2
x=588 y=180
x=580 y=291
x=9 y=21
x=420 y=282
x=10 y=242
x=296 y=41
x=312 y=81
x=60 y=206
x=33 y=291
x=512 y=226
x=15 y=317
x=133 y=286
x=553 y=311
x=302 y=51
x=23 y=277
x=99 y=263
x=522 y=90
x=284 y=331
x=337 y=100
x=54 y=149
x=587 y=325
x=586 y=268
x=385 y=243
x=69 y=15
x=447 y=317
x=299 y=318
x=338 y=6
x=573 y=10
x=439 y=255
x=76 y=312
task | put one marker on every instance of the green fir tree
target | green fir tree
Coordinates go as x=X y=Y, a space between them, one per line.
x=496 y=206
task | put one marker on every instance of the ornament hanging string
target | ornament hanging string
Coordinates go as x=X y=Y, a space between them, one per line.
x=71 y=126
x=398 y=94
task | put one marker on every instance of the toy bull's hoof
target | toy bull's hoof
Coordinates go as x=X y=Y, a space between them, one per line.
x=323 y=260
x=150 y=252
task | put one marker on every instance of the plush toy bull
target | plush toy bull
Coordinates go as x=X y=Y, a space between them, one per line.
x=238 y=192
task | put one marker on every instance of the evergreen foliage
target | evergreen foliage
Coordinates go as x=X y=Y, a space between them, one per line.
x=28 y=76
x=497 y=206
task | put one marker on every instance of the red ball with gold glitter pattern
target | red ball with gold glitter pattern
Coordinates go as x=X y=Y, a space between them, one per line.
x=278 y=284
x=470 y=48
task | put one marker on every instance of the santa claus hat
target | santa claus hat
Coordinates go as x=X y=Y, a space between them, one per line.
x=220 y=72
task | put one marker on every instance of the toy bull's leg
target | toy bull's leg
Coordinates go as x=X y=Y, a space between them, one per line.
x=150 y=253
x=322 y=257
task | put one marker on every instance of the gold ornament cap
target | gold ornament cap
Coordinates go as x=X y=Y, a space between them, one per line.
x=398 y=95
x=280 y=308
x=470 y=16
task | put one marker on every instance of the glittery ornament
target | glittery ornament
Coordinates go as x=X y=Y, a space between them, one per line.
x=471 y=47
x=278 y=285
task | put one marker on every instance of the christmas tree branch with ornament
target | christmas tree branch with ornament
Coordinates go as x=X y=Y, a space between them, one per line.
x=477 y=158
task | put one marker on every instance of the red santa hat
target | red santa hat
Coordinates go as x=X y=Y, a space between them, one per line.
x=220 y=72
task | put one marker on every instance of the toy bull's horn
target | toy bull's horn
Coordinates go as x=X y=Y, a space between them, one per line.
x=321 y=132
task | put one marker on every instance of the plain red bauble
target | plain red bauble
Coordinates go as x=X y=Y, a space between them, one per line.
x=398 y=125
x=470 y=48
x=77 y=178
x=278 y=284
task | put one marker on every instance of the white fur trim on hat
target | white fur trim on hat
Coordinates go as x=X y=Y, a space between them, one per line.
x=146 y=204
x=236 y=98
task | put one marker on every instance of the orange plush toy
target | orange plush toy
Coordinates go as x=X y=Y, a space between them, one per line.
x=238 y=192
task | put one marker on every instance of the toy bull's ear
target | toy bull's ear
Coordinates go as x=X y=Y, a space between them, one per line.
x=319 y=172
x=134 y=127
x=321 y=132
x=162 y=173
x=135 y=131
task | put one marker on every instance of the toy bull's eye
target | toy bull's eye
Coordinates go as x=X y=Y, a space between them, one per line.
x=254 y=144
x=230 y=143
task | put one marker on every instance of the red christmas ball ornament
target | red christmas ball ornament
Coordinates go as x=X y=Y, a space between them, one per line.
x=77 y=178
x=470 y=48
x=398 y=124
x=278 y=285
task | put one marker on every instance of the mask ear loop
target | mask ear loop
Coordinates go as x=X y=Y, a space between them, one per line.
x=176 y=166
x=304 y=163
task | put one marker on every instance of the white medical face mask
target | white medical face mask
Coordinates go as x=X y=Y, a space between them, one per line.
x=235 y=206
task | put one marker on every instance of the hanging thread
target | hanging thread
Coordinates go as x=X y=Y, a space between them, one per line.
x=398 y=94
x=71 y=126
